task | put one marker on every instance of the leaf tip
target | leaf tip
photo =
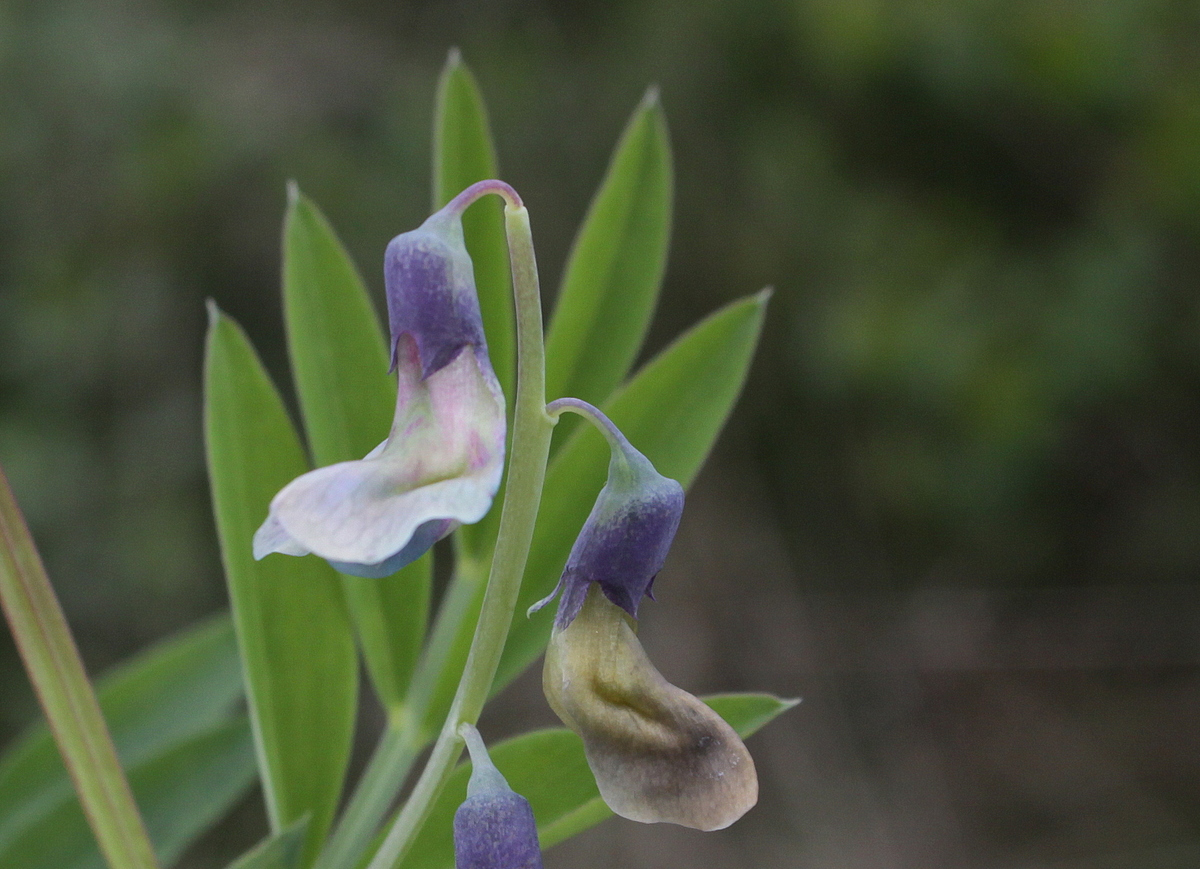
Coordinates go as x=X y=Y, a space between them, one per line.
x=652 y=98
x=293 y=193
x=453 y=58
x=214 y=313
x=763 y=296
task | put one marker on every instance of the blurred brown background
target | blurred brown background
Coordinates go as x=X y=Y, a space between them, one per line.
x=957 y=509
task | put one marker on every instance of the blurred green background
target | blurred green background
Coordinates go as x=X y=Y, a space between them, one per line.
x=957 y=509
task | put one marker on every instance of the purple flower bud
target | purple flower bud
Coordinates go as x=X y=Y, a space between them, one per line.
x=431 y=293
x=624 y=542
x=494 y=828
x=442 y=461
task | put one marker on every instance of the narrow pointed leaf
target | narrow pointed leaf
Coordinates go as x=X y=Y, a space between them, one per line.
x=188 y=789
x=340 y=364
x=616 y=266
x=463 y=153
x=549 y=769
x=294 y=634
x=672 y=411
x=181 y=793
x=337 y=349
x=164 y=696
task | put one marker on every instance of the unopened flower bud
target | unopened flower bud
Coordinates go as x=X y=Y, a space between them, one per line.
x=494 y=827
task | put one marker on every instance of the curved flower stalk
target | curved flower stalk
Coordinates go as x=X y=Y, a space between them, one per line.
x=442 y=461
x=658 y=753
x=625 y=540
x=494 y=827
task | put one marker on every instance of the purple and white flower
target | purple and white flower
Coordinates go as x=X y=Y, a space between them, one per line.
x=441 y=464
x=657 y=752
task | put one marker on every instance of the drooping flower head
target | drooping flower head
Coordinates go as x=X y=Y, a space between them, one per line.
x=625 y=540
x=494 y=827
x=442 y=461
x=657 y=752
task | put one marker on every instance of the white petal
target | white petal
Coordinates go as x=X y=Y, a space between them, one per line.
x=358 y=512
x=442 y=460
x=273 y=537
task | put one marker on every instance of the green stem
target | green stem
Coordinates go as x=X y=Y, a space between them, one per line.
x=624 y=456
x=612 y=434
x=406 y=735
x=389 y=765
x=436 y=679
x=527 y=470
x=52 y=660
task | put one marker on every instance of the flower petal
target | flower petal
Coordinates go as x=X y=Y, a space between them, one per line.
x=494 y=827
x=442 y=461
x=272 y=537
x=440 y=467
x=421 y=541
x=361 y=511
x=431 y=292
x=657 y=752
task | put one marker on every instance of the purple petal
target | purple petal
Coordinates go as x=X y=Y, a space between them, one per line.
x=623 y=544
x=431 y=293
x=496 y=830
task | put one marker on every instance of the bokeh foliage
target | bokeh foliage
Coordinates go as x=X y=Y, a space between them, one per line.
x=981 y=218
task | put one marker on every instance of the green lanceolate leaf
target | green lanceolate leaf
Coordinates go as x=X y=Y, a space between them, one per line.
x=340 y=364
x=672 y=411
x=181 y=793
x=549 y=769
x=161 y=698
x=463 y=153
x=390 y=616
x=297 y=649
x=338 y=352
x=189 y=788
x=281 y=851
x=749 y=712
x=616 y=266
